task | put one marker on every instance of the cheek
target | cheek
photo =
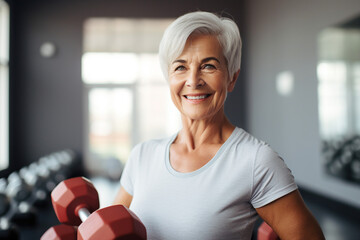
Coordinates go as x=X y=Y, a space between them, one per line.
x=175 y=86
x=175 y=89
x=220 y=86
x=221 y=92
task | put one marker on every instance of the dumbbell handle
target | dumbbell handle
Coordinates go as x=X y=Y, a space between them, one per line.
x=83 y=214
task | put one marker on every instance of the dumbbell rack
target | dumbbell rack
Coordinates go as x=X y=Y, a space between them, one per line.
x=25 y=209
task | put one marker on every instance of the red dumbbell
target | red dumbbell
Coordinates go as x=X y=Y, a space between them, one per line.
x=60 y=232
x=265 y=232
x=75 y=201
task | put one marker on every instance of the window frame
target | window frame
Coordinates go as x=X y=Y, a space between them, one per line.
x=4 y=84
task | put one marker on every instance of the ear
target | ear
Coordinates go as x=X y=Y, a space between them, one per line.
x=231 y=85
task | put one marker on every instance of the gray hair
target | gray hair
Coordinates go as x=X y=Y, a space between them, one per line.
x=175 y=36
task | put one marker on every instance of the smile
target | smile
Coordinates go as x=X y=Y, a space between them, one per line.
x=197 y=97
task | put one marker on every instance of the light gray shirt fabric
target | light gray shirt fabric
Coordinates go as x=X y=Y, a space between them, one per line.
x=217 y=201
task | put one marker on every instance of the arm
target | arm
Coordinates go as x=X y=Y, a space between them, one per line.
x=123 y=198
x=290 y=218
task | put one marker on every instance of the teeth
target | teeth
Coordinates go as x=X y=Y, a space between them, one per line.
x=196 y=97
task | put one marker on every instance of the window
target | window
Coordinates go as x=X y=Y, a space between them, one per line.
x=338 y=73
x=4 y=85
x=127 y=98
x=333 y=91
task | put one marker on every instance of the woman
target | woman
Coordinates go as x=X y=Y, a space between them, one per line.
x=211 y=180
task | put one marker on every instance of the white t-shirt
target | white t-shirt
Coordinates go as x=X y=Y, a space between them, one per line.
x=217 y=201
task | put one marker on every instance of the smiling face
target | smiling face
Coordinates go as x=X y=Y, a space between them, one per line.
x=199 y=79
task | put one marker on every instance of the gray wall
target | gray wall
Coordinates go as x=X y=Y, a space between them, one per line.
x=281 y=35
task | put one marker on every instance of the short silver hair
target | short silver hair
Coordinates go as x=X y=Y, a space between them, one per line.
x=176 y=34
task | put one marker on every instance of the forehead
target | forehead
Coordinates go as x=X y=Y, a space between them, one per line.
x=207 y=45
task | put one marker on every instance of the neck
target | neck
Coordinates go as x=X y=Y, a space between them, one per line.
x=195 y=133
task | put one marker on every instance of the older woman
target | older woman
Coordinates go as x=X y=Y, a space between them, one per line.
x=211 y=180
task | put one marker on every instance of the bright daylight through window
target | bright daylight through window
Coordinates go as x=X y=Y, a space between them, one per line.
x=127 y=97
x=4 y=85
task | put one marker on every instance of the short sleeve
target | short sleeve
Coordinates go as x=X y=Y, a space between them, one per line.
x=128 y=176
x=272 y=179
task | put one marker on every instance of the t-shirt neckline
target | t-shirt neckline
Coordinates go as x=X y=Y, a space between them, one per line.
x=223 y=147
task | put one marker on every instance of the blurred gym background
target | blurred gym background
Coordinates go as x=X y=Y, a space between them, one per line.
x=80 y=85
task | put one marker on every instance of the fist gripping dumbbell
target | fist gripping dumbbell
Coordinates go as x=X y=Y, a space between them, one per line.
x=265 y=232
x=75 y=200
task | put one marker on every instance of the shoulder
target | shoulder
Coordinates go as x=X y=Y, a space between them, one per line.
x=258 y=153
x=150 y=148
x=243 y=137
x=245 y=142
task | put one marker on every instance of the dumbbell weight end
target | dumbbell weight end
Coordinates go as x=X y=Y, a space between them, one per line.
x=113 y=222
x=60 y=232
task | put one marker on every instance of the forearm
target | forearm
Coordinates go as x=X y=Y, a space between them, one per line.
x=123 y=198
x=302 y=229
x=291 y=219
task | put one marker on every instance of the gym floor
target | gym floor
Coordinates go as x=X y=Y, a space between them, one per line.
x=337 y=220
x=336 y=223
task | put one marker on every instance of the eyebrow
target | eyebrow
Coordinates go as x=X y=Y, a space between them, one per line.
x=202 y=61
x=209 y=59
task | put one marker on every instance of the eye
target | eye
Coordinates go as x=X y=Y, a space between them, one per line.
x=180 y=68
x=208 y=67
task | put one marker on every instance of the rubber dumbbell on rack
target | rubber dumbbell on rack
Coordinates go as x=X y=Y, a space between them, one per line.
x=45 y=175
x=7 y=229
x=59 y=164
x=42 y=176
x=67 y=158
x=54 y=167
x=75 y=202
x=4 y=199
x=17 y=188
x=40 y=191
x=19 y=192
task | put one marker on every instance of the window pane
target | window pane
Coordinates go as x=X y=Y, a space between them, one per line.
x=110 y=122
x=149 y=69
x=332 y=89
x=102 y=68
x=4 y=32
x=4 y=85
x=4 y=114
x=123 y=34
x=158 y=116
x=356 y=77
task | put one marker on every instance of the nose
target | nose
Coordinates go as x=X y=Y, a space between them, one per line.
x=194 y=80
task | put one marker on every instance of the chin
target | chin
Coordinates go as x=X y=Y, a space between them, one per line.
x=196 y=116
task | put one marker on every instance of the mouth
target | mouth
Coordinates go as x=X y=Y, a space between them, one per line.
x=197 y=97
